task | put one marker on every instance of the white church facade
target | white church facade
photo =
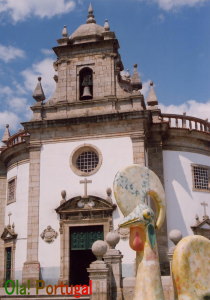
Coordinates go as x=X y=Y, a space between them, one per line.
x=56 y=175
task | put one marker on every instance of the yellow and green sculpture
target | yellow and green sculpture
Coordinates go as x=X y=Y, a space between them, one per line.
x=191 y=259
x=191 y=268
x=131 y=187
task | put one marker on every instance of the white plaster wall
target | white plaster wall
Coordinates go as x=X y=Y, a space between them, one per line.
x=182 y=202
x=56 y=175
x=19 y=210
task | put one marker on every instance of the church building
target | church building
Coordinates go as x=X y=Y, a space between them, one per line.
x=56 y=175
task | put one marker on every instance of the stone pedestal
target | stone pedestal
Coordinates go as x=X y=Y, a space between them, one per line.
x=31 y=271
x=98 y=273
x=113 y=259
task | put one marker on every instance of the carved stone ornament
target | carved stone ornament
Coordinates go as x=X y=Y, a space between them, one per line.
x=9 y=233
x=85 y=208
x=202 y=227
x=49 y=234
x=124 y=233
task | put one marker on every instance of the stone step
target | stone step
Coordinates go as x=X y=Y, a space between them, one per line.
x=43 y=297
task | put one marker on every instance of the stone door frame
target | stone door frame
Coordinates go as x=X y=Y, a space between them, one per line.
x=65 y=244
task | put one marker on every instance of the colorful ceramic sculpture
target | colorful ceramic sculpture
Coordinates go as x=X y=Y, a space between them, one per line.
x=191 y=268
x=131 y=187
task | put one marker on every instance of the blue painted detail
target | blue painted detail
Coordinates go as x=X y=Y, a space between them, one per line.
x=152 y=235
x=123 y=182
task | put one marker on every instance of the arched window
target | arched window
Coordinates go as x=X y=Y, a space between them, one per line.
x=86 y=84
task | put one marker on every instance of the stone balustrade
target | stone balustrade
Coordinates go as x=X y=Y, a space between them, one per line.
x=186 y=122
x=17 y=138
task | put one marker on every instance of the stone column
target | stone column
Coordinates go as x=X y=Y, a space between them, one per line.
x=98 y=273
x=113 y=259
x=175 y=236
x=155 y=163
x=2 y=214
x=31 y=268
x=138 y=141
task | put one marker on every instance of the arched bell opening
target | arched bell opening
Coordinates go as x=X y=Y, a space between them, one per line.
x=86 y=84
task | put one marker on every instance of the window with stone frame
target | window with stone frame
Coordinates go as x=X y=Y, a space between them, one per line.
x=201 y=178
x=11 y=190
x=86 y=160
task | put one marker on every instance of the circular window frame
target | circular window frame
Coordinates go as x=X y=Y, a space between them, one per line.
x=75 y=154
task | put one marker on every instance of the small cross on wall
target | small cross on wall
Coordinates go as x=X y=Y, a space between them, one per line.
x=85 y=182
x=204 y=204
x=9 y=215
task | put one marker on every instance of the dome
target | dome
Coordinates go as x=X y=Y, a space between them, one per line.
x=87 y=32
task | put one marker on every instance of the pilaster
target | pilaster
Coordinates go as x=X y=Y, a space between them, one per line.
x=113 y=259
x=155 y=163
x=31 y=268
x=138 y=142
x=2 y=214
x=98 y=274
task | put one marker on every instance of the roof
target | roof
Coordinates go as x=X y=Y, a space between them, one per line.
x=87 y=31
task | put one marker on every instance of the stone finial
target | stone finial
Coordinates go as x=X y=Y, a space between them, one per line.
x=152 y=98
x=106 y=25
x=109 y=194
x=112 y=239
x=65 y=31
x=6 y=135
x=127 y=73
x=175 y=236
x=38 y=93
x=135 y=79
x=63 y=195
x=99 y=248
x=197 y=221
x=9 y=225
x=90 y=18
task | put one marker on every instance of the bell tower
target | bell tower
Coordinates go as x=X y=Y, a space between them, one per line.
x=89 y=72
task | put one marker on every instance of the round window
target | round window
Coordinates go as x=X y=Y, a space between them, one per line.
x=86 y=160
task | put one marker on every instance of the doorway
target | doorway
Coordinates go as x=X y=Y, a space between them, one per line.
x=81 y=256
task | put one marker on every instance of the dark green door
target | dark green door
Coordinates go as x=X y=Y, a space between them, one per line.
x=81 y=256
x=8 y=263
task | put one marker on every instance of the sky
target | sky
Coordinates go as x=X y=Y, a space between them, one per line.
x=168 y=39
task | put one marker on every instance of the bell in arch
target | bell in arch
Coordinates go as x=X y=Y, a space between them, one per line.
x=86 y=83
x=86 y=93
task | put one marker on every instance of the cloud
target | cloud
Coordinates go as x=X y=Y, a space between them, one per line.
x=15 y=99
x=47 y=51
x=191 y=107
x=8 y=117
x=174 y=4
x=44 y=69
x=8 y=53
x=19 y=10
x=6 y=90
x=145 y=88
x=161 y=17
x=18 y=104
